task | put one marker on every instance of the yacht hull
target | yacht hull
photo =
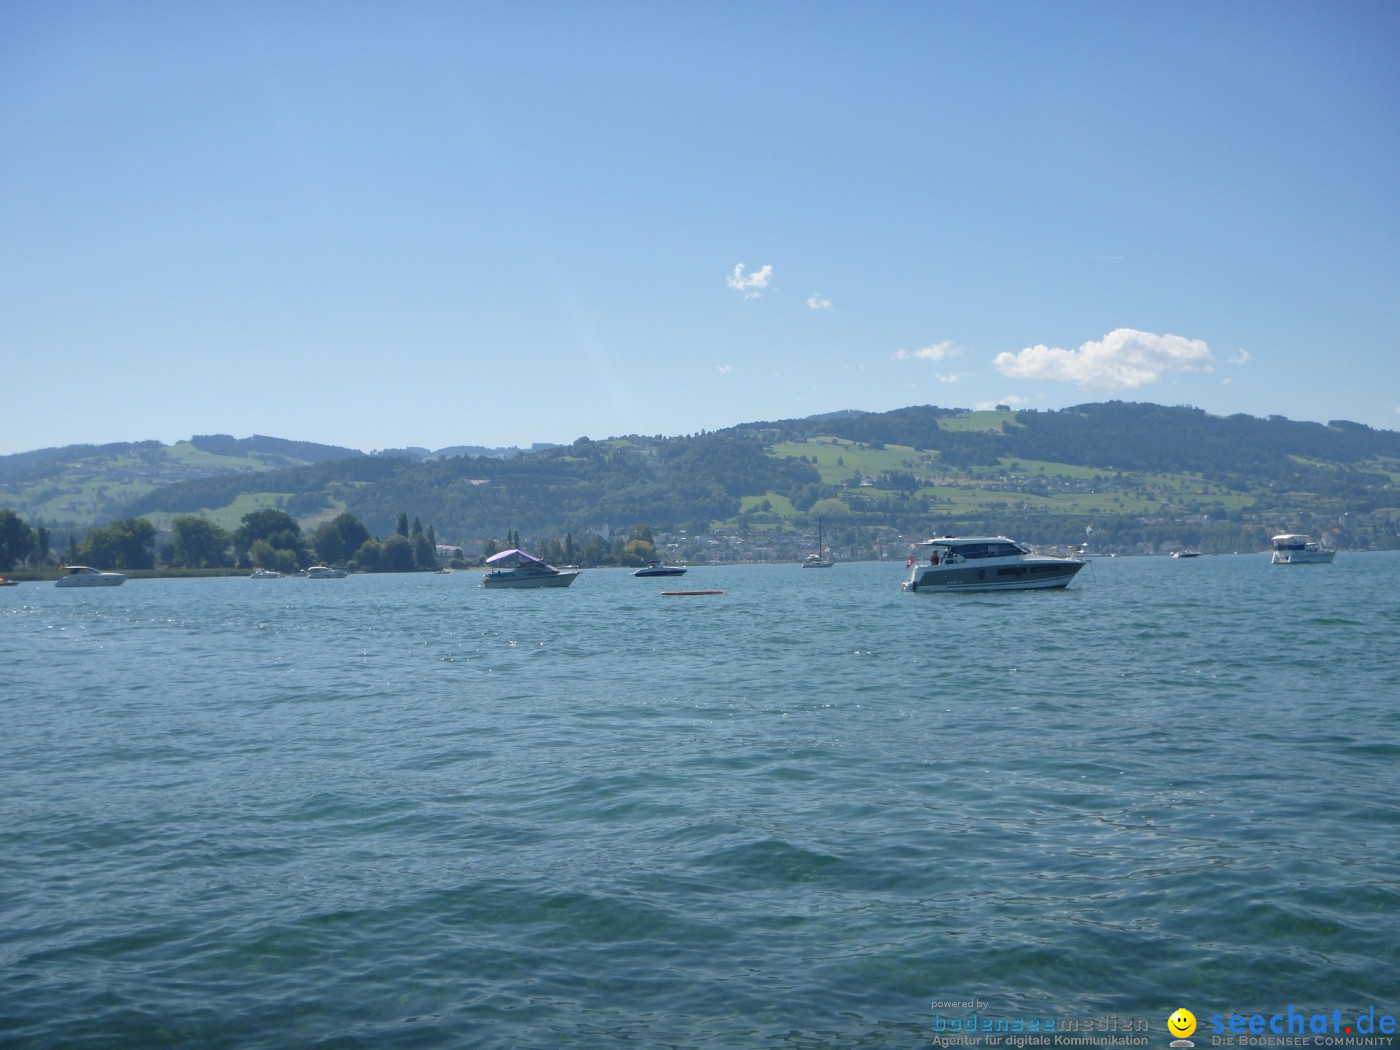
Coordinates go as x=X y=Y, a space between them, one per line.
x=1030 y=575
x=511 y=581
x=1303 y=557
x=106 y=579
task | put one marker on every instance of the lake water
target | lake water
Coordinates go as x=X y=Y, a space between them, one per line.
x=401 y=811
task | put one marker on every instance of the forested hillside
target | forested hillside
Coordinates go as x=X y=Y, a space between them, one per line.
x=76 y=486
x=1125 y=476
x=587 y=485
x=1114 y=434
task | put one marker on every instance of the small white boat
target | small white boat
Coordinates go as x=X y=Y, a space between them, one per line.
x=520 y=570
x=265 y=574
x=325 y=572
x=984 y=563
x=821 y=558
x=83 y=576
x=657 y=569
x=1293 y=548
x=1186 y=554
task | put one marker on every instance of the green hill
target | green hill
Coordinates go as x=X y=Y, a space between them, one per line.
x=76 y=486
x=1125 y=476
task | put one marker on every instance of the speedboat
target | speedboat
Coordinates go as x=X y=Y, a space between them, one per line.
x=8 y=583
x=516 y=569
x=657 y=569
x=83 y=576
x=985 y=563
x=1293 y=548
x=1186 y=554
x=325 y=572
x=265 y=574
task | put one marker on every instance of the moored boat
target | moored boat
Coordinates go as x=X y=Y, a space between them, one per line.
x=657 y=569
x=85 y=576
x=822 y=557
x=265 y=574
x=985 y=563
x=325 y=572
x=1292 y=548
x=517 y=570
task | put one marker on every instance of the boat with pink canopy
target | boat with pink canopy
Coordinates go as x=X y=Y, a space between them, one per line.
x=515 y=568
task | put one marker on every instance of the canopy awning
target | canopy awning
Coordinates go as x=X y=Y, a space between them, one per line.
x=513 y=557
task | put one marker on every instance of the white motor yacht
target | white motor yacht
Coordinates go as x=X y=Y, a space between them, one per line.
x=83 y=576
x=984 y=563
x=1292 y=548
x=325 y=572
x=265 y=574
x=516 y=569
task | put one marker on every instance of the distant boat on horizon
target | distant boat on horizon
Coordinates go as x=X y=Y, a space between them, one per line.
x=820 y=558
x=657 y=569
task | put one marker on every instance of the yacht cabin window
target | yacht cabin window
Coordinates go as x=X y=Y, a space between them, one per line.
x=987 y=550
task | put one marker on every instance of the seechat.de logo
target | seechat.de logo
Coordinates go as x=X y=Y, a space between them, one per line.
x=1181 y=1024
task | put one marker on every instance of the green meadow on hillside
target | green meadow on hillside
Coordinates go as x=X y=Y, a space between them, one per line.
x=1134 y=476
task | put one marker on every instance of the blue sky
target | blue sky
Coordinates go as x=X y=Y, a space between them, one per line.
x=437 y=224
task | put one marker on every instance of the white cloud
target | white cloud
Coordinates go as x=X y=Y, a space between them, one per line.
x=817 y=301
x=721 y=369
x=1124 y=357
x=1239 y=357
x=752 y=286
x=936 y=352
x=951 y=377
x=1009 y=399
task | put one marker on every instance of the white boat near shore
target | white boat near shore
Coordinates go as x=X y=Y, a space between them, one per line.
x=657 y=569
x=821 y=558
x=518 y=570
x=85 y=576
x=1292 y=548
x=985 y=563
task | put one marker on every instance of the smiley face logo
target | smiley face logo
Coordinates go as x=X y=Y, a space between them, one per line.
x=1182 y=1023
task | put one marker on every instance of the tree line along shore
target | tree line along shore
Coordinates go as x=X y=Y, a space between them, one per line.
x=273 y=539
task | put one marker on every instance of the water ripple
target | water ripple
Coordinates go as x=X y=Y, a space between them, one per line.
x=402 y=811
